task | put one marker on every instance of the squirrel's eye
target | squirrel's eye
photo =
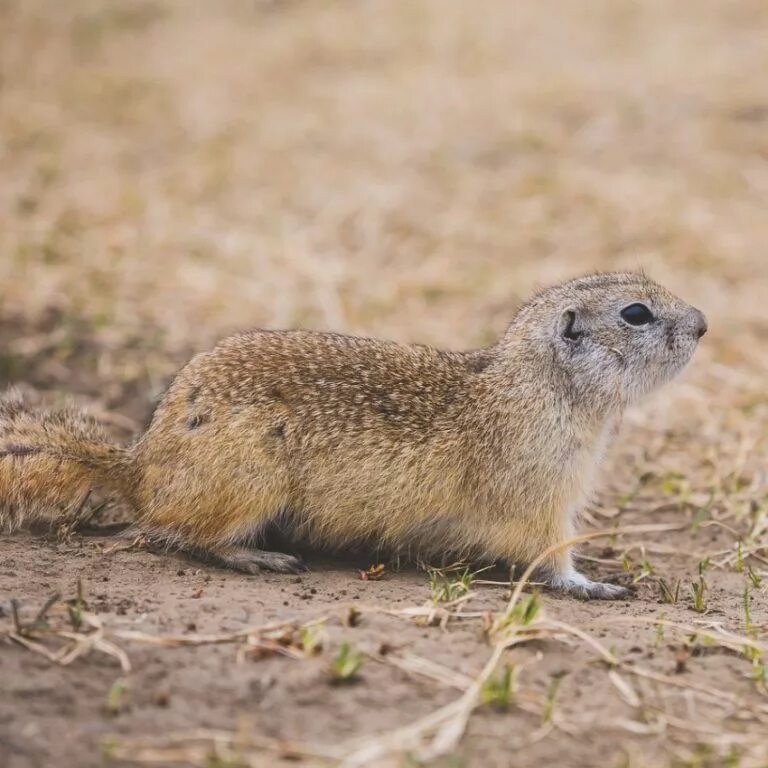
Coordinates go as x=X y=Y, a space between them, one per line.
x=636 y=314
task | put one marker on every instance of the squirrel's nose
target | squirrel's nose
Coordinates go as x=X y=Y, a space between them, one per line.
x=700 y=323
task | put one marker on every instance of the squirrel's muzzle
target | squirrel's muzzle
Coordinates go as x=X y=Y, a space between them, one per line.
x=700 y=323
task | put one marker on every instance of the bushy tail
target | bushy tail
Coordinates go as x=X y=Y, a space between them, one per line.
x=50 y=460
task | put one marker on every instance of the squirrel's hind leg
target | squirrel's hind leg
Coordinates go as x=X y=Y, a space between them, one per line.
x=254 y=560
x=225 y=555
x=237 y=558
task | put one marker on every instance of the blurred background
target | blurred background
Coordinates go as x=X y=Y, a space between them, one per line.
x=171 y=171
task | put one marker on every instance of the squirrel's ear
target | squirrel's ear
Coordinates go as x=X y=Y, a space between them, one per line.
x=569 y=326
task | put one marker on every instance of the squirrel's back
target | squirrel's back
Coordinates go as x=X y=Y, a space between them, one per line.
x=324 y=379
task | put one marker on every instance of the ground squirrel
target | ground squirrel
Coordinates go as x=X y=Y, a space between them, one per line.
x=488 y=454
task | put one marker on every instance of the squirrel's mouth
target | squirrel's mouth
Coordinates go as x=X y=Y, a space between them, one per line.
x=681 y=355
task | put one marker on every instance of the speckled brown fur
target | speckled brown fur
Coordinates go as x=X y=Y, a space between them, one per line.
x=489 y=454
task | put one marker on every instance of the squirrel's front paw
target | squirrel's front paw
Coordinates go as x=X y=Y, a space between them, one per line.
x=581 y=587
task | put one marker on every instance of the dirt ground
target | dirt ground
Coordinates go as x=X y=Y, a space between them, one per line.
x=171 y=171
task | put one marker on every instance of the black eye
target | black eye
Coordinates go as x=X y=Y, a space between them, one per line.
x=636 y=314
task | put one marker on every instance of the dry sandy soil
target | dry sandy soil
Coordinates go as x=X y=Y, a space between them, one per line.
x=171 y=171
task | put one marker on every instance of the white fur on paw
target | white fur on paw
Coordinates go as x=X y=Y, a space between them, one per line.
x=580 y=586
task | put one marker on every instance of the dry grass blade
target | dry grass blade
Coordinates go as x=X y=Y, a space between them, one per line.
x=193 y=639
x=708 y=630
x=418 y=665
x=88 y=635
x=715 y=694
x=206 y=747
x=553 y=625
x=626 y=691
x=33 y=646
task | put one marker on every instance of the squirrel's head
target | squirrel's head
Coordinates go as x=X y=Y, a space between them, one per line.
x=614 y=336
